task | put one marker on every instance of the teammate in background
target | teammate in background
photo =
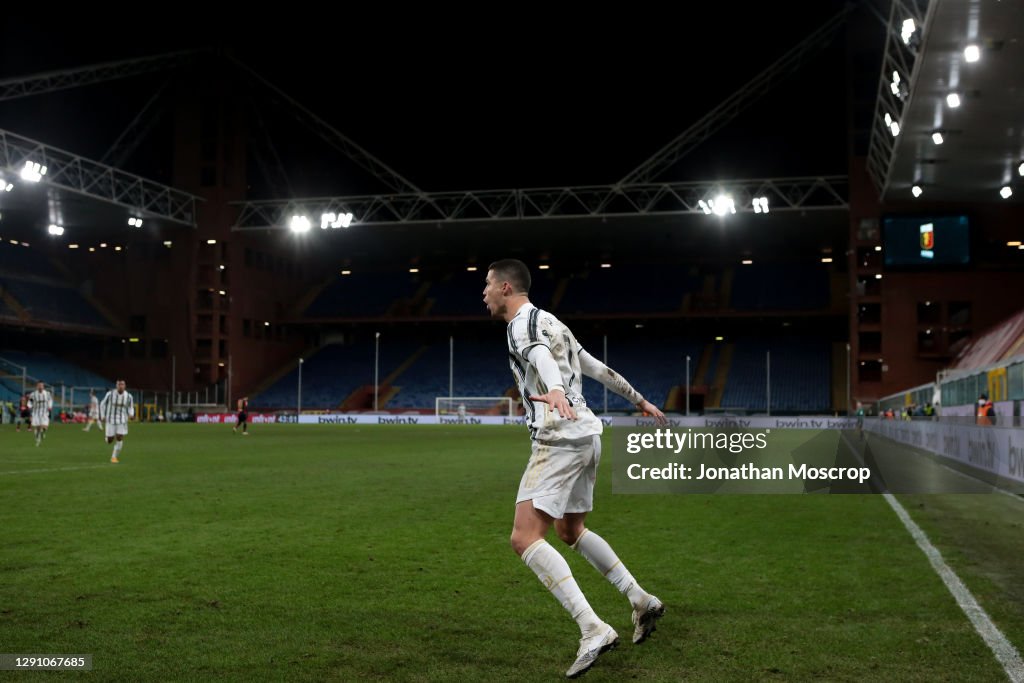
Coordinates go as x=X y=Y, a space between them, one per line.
x=461 y=412
x=24 y=414
x=558 y=486
x=93 y=412
x=243 y=416
x=116 y=408
x=40 y=402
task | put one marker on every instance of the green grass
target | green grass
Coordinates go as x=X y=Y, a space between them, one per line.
x=311 y=553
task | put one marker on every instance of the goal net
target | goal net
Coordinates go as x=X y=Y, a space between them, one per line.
x=474 y=405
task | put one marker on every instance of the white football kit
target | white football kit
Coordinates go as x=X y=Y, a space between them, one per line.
x=40 y=403
x=562 y=471
x=115 y=409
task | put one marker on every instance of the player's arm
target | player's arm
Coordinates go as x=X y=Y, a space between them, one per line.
x=539 y=356
x=615 y=382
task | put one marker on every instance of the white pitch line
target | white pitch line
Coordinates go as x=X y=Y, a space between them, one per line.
x=53 y=469
x=1002 y=648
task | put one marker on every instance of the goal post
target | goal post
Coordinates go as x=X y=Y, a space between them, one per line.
x=454 y=406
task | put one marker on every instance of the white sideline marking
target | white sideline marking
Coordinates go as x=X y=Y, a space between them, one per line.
x=53 y=469
x=1002 y=648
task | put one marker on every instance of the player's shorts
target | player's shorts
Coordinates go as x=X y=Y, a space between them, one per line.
x=94 y=414
x=243 y=417
x=560 y=476
x=41 y=421
x=115 y=430
x=26 y=415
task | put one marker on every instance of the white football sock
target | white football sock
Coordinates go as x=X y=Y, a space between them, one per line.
x=553 y=571
x=603 y=558
x=117 y=448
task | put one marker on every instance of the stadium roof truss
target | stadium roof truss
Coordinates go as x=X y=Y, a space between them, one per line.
x=637 y=194
x=77 y=174
x=66 y=171
x=597 y=201
x=926 y=142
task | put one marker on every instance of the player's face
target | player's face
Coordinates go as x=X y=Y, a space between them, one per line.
x=120 y=386
x=40 y=386
x=493 y=296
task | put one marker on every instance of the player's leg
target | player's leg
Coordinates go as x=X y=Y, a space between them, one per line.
x=528 y=530
x=543 y=495
x=111 y=437
x=647 y=609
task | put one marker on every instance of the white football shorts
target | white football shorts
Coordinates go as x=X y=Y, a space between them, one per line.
x=115 y=430
x=560 y=476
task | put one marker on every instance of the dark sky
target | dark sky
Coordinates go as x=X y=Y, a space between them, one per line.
x=517 y=98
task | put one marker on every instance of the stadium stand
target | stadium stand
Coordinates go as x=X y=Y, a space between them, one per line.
x=363 y=295
x=481 y=369
x=800 y=379
x=653 y=366
x=53 y=303
x=19 y=261
x=334 y=372
x=609 y=290
x=779 y=286
x=54 y=370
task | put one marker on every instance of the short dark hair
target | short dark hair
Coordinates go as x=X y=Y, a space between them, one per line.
x=515 y=272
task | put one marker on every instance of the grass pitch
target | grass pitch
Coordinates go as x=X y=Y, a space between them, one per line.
x=312 y=553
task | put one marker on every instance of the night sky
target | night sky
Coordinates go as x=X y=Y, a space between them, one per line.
x=518 y=98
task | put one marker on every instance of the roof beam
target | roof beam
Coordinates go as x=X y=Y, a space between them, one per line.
x=332 y=136
x=598 y=201
x=906 y=59
x=730 y=108
x=52 y=81
x=92 y=179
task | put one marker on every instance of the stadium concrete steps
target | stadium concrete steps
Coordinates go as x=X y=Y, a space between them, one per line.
x=725 y=293
x=559 y=293
x=362 y=398
x=700 y=375
x=721 y=376
x=307 y=299
x=281 y=372
x=397 y=372
x=14 y=305
x=420 y=304
x=406 y=306
x=112 y=319
x=839 y=391
x=676 y=400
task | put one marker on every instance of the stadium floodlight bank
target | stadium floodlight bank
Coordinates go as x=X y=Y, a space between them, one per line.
x=456 y=406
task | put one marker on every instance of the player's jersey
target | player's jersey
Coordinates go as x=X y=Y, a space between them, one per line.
x=243 y=406
x=40 y=403
x=116 y=408
x=532 y=327
x=23 y=406
x=94 y=407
